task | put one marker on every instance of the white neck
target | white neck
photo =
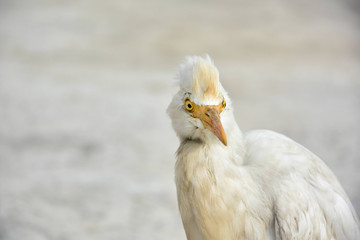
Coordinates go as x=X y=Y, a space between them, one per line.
x=235 y=149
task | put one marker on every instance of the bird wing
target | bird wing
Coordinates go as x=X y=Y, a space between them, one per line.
x=308 y=200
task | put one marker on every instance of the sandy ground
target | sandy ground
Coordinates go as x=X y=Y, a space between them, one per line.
x=86 y=148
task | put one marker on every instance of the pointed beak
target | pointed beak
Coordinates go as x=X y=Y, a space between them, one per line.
x=210 y=117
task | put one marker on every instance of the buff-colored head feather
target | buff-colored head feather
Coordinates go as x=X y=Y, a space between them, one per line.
x=199 y=77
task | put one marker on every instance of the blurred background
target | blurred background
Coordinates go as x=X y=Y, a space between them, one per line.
x=86 y=147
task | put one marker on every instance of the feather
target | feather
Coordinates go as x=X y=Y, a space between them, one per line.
x=262 y=185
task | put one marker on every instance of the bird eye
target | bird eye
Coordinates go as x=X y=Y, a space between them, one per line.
x=223 y=104
x=188 y=105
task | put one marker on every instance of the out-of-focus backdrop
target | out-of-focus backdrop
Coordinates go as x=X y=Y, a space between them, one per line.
x=86 y=147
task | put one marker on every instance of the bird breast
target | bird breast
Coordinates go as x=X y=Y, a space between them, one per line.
x=210 y=190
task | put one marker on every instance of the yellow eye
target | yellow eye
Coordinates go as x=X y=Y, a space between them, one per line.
x=223 y=104
x=188 y=105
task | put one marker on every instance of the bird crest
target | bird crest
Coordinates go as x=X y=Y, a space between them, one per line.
x=200 y=77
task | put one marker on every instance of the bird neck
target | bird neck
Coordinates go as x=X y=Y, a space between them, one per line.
x=236 y=142
x=210 y=149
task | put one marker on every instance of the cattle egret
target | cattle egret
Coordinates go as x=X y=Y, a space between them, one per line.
x=256 y=185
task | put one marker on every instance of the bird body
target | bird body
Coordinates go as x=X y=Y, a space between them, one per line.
x=257 y=185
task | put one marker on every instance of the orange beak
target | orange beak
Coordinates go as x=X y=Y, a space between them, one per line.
x=210 y=117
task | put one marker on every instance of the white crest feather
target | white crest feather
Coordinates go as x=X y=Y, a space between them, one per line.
x=200 y=77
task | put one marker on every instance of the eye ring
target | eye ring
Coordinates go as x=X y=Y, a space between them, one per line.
x=188 y=105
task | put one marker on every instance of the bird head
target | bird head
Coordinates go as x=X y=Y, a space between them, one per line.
x=199 y=108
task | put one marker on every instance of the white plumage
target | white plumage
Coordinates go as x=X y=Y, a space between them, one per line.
x=257 y=185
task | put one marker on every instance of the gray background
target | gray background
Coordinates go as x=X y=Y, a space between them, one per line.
x=86 y=148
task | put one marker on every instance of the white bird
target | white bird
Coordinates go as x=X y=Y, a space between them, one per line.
x=257 y=185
